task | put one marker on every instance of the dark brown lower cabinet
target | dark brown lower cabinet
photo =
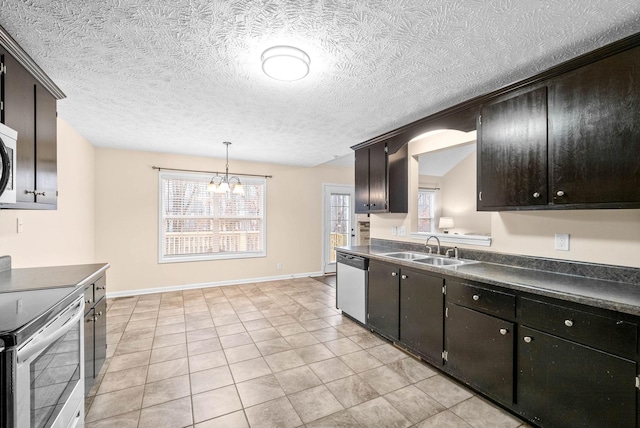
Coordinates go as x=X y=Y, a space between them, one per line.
x=565 y=384
x=421 y=313
x=480 y=351
x=383 y=299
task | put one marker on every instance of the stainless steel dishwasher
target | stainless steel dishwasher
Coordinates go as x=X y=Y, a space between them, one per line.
x=351 y=286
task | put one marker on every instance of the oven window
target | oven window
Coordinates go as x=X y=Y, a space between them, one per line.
x=54 y=374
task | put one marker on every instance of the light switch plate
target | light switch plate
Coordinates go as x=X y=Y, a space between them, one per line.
x=402 y=231
x=394 y=230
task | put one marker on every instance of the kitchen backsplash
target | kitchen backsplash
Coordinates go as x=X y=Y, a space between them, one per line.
x=588 y=270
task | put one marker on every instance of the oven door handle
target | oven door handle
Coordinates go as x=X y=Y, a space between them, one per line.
x=44 y=340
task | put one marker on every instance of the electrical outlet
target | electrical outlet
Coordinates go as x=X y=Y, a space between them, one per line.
x=394 y=230
x=279 y=266
x=562 y=241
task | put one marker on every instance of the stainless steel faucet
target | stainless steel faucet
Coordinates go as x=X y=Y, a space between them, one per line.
x=427 y=244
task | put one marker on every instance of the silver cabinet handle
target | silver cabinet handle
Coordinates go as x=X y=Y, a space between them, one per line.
x=89 y=301
x=476 y=297
x=528 y=339
x=560 y=193
x=536 y=195
x=394 y=273
x=568 y=323
x=503 y=331
x=100 y=313
x=404 y=277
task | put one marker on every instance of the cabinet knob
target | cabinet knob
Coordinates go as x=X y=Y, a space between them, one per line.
x=560 y=193
x=568 y=323
x=503 y=331
x=536 y=195
x=394 y=274
x=366 y=205
x=101 y=288
x=89 y=301
x=100 y=313
x=404 y=277
x=476 y=297
x=373 y=205
x=528 y=339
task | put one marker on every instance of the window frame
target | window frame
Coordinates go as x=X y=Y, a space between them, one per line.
x=206 y=178
x=432 y=192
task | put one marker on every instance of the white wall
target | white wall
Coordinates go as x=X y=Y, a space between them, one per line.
x=127 y=220
x=66 y=235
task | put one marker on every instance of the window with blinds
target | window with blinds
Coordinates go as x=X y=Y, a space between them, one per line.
x=199 y=225
x=426 y=210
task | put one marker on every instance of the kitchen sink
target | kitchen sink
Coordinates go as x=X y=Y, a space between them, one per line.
x=406 y=255
x=443 y=261
x=428 y=259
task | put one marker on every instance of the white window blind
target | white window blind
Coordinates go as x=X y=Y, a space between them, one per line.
x=426 y=210
x=199 y=225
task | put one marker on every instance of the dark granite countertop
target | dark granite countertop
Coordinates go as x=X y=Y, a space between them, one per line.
x=617 y=296
x=49 y=277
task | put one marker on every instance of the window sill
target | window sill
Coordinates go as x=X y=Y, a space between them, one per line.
x=451 y=238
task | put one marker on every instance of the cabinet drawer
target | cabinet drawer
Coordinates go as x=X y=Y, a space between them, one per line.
x=100 y=288
x=608 y=334
x=482 y=299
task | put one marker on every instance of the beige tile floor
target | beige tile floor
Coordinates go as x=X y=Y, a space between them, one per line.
x=273 y=354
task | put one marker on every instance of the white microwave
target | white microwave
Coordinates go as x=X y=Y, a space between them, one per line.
x=8 y=138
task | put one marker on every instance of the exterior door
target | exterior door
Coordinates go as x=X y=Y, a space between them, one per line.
x=339 y=222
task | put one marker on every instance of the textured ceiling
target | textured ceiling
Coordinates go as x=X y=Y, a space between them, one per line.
x=181 y=76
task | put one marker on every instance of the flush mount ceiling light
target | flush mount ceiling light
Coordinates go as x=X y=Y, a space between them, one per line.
x=224 y=183
x=285 y=63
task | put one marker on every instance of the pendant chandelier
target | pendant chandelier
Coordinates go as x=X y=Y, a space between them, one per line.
x=224 y=183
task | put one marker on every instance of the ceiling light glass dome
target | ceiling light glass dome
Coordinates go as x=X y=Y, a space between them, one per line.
x=285 y=63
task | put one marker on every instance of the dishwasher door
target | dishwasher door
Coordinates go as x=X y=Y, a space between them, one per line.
x=351 y=286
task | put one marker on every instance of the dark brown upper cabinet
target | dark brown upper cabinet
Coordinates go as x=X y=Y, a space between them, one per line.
x=29 y=106
x=594 y=133
x=566 y=138
x=572 y=142
x=512 y=152
x=381 y=179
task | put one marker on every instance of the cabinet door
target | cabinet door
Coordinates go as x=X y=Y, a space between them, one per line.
x=565 y=384
x=383 y=299
x=378 y=178
x=512 y=152
x=362 y=181
x=480 y=351
x=46 y=153
x=421 y=313
x=594 y=132
x=89 y=351
x=19 y=114
x=100 y=334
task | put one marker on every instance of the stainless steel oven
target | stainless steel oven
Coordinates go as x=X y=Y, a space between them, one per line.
x=43 y=374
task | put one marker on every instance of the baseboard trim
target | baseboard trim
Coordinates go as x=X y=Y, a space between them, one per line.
x=169 y=288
